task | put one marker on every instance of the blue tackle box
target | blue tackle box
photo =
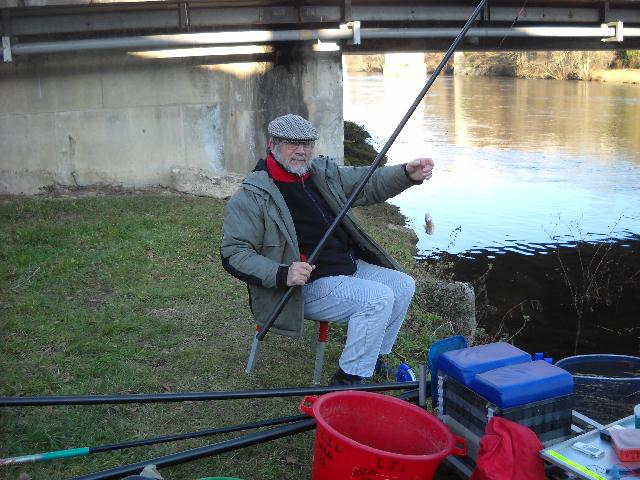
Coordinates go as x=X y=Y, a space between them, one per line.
x=499 y=379
x=465 y=363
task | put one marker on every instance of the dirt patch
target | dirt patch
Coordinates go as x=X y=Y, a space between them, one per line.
x=98 y=297
x=97 y=190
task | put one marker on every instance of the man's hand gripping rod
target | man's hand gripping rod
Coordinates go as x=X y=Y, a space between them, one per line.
x=376 y=163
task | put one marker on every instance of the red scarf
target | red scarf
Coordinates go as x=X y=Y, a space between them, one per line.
x=279 y=174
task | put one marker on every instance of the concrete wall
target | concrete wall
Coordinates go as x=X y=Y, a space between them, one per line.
x=114 y=118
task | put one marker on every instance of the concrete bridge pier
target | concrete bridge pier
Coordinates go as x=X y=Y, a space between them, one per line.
x=131 y=119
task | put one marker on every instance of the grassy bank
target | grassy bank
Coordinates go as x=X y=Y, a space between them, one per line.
x=623 y=75
x=125 y=294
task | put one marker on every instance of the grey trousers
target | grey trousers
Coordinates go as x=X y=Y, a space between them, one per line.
x=374 y=300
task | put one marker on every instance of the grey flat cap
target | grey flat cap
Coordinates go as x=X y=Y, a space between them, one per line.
x=292 y=127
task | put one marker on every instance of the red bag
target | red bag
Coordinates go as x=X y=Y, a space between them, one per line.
x=508 y=451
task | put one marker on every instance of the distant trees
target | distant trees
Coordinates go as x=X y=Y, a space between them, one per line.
x=626 y=59
x=571 y=65
x=561 y=65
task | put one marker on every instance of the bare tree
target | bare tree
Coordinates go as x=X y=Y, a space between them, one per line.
x=583 y=62
x=559 y=65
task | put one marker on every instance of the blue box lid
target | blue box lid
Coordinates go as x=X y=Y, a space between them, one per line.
x=465 y=363
x=523 y=383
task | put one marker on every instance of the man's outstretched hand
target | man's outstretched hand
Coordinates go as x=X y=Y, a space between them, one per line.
x=420 y=169
x=299 y=273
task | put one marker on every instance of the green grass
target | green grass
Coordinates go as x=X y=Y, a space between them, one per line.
x=126 y=294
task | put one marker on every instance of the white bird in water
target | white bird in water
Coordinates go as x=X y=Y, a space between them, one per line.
x=428 y=223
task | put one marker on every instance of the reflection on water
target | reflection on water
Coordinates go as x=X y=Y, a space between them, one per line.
x=521 y=165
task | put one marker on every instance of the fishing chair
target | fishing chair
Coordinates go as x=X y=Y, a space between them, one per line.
x=318 y=347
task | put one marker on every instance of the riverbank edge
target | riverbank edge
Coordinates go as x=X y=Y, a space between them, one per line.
x=623 y=75
x=629 y=76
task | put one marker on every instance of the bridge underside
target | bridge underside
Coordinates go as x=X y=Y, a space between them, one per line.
x=392 y=25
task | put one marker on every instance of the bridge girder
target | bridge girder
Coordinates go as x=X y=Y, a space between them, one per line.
x=32 y=21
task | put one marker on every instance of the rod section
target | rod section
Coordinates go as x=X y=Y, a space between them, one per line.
x=221 y=447
x=194 y=396
x=423 y=385
x=376 y=163
x=205 y=451
x=82 y=451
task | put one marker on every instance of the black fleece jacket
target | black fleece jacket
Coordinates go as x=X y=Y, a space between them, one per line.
x=312 y=217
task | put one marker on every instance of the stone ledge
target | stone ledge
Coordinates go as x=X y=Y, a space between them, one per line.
x=205 y=184
x=454 y=302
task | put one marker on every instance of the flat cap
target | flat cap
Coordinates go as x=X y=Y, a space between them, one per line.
x=292 y=127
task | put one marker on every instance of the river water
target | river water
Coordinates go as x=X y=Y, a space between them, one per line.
x=533 y=178
x=520 y=164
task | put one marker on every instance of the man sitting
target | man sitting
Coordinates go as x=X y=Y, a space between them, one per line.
x=276 y=219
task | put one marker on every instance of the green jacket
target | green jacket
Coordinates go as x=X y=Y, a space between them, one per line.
x=258 y=234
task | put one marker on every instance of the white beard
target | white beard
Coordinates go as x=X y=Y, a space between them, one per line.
x=300 y=171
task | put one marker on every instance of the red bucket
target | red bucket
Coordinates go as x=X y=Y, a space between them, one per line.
x=367 y=436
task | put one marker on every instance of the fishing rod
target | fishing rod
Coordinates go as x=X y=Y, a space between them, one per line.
x=83 y=451
x=205 y=451
x=358 y=189
x=195 y=396
x=214 y=449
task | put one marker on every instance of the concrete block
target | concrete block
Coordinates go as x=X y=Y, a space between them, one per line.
x=28 y=142
x=129 y=147
x=160 y=82
x=82 y=119
x=204 y=137
x=203 y=183
x=322 y=94
x=244 y=141
x=35 y=89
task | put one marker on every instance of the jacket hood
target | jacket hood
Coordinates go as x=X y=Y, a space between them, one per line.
x=261 y=165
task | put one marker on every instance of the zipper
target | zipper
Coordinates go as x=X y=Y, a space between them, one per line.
x=315 y=202
x=324 y=217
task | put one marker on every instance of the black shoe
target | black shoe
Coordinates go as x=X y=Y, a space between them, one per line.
x=343 y=378
x=382 y=367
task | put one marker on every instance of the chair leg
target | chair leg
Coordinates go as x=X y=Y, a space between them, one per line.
x=321 y=345
x=314 y=342
x=255 y=347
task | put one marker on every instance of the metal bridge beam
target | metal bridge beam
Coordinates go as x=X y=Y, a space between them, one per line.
x=394 y=26
x=163 y=17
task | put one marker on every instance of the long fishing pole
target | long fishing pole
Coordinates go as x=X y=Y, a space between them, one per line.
x=83 y=451
x=205 y=451
x=221 y=447
x=314 y=255
x=194 y=396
